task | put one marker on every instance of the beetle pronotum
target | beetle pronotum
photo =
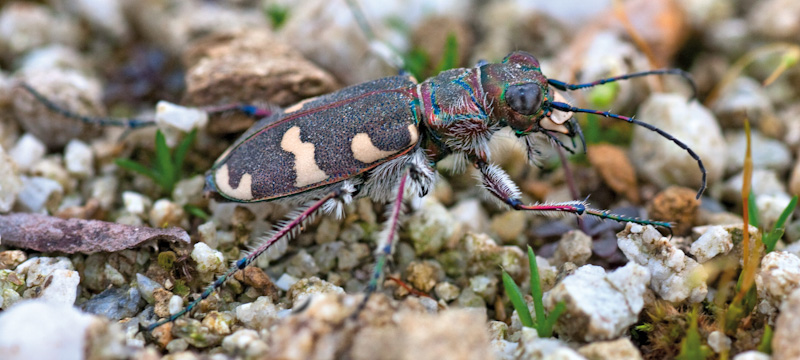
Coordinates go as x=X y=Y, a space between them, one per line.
x=378 y=138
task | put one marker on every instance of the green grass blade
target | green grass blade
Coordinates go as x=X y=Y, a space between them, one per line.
x=765 y=346
x=552 y=318
x=771 y=239
x=183 y=148
x=134 y=166
x=196 y=211
x=752 y=210
x=515 y=295
x=164 y=165
x=536 y=291
x=450 y=56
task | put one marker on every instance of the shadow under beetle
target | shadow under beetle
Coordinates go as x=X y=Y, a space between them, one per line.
x=382 y=138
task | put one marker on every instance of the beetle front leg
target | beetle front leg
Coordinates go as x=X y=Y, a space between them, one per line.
x=499 y=184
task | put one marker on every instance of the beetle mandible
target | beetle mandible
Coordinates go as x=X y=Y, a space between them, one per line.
x=378 y=138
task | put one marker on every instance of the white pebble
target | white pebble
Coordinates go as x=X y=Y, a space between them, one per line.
x=39 y=194
x=718 y=341
x=259 y=314
x=602 y=306
x=36 y=270
x=188 y=191
x=135 y=203
x=166 y=213
x=285 y=282
x=175 y=304
x=174 y=120
x=10 y=182
x=534 y=347
x=778 y=276
x=674 y=276
x=716 y=240
x=208 y=234
x=27 y=151
x=79 y=158
x=208 y=260
x=61 y=287
x=751 y=355
x=104 y=189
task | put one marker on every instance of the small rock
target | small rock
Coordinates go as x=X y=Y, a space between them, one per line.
x=600 y=306
x=618 y=349
x=285 y=282
x=243 y=341
x=175 y=121
x=209 y=261
x=484 y=255
x=135 y=203
x=794 y=181
x=39 y=194
x=259 y=280
x=767 y=153
x=719 y=342
x=677 y=205
x=423 y=275
x=36 y=270
x=470 y=214
x=26 y=26
x=752 y=355
x=674 y=276
x=534 y=347
x=509 y=226
x=778 y=277
x=147 y=287
x=10 y=182
x=664 y=163
x=446 y=291
x=195 y=333
x=9 y=259
x=430 y=227
x=107 y=17
x=305 y=288
x=714 y=241
x=259 y=314
x=166 y=213
x=208 y=234
x=79 y=158
x=770 y=208
x=115 y=303
x=219 y=322
x=776 y=19
x=61 y=287
x=162 y=297
x=189 y=191
x=176 y=346
x=574 y=247
x=70 y=89
x=615 y=168
x=26 y=328
x=104 y=189
x=764 y=182
x=175 y=304
x=27 y=151
x=745 y=97
x=784 y=340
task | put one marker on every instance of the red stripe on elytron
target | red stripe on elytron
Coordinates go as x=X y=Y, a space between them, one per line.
x=297 y=114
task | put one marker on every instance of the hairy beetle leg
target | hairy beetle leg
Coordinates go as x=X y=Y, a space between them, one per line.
x=288 y=229
x=388 y=236
x=499 y=184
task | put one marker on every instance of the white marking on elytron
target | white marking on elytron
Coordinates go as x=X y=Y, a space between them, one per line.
x=365 y=151
x=305 y=165
x=560 y=117
x=242 y=192
x=298 y=106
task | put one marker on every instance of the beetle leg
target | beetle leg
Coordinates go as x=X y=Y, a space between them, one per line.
x=499 y=184
x=343 y=192
x=254 y=111
x=388 y=236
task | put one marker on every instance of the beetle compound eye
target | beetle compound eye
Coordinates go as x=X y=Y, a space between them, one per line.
x=525 y=99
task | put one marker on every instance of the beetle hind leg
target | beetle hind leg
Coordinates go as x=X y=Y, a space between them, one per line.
x=342 y=193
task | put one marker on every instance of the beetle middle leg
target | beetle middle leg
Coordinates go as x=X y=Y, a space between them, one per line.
x=499 y=184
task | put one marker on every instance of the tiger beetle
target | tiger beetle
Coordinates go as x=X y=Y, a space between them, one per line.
x=383 y=138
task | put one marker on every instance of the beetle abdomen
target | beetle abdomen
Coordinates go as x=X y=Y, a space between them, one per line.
x=320 y=142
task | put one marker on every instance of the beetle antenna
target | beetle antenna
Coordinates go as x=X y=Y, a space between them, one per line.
x=566 y=86
x=567 y=107
x=131 y=123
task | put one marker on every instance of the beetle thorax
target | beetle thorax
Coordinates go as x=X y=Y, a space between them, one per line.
x=456 y=113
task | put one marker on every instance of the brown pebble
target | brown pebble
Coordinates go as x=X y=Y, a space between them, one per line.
x=615 y=168
x=162 y=335
x=162 y=297
x=259 y=280
x=9 y=259
x=424 y=275
x=677 y=205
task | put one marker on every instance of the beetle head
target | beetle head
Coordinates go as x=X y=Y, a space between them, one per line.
x=521 y=96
